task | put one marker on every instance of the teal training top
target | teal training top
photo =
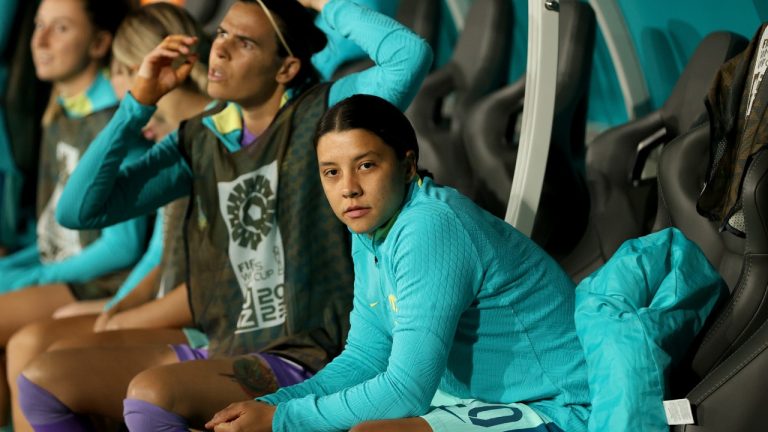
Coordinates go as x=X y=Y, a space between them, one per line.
x=447 y=296
x=339 y=49
x=118 y=246
x=100 y=192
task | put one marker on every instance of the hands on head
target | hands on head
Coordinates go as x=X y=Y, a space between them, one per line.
x=164 y=68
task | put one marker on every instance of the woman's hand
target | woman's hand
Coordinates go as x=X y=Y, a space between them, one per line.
x=164 y=68
x=314 y=4
x=251 y=416
x=79 y=308
x=101 y=322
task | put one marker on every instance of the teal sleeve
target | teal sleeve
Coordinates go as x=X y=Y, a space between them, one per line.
x=103 y=191
x=364 y=356
x=118 y=247
x=435 y=268
x=402 y=58
x=339 y=49
x=21 y=258
x=149 y=261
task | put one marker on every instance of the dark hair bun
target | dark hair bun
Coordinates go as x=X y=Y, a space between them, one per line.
x=301 y=33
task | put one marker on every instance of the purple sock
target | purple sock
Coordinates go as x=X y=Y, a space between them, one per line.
x=45 y=412
x=141 y=416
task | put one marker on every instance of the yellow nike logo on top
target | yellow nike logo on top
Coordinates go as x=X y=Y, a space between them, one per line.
x=393 y=302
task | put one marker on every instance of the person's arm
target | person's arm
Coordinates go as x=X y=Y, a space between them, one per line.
x=402 y=58
x=341 y=50
x=28 y=256
x=80 y=308
x=150 y=260
x=144 y=292
x=171 y=311
x=365 y=355
x=101 y=192
x=118 y=247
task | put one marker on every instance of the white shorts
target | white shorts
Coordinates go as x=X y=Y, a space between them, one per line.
x=451 y=414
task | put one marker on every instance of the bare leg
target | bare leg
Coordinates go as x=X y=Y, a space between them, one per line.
x=94 y=380
x=31 y=341
x=413 y=424
x=31 y=304
x=196 y=390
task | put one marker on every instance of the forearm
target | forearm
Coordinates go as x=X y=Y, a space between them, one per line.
x=171 y=311
x=148 y=263
x=354 y=365
x=364 y=356
x=104 y=190
x=27 y=256
x=142 y=292
x=402 y=58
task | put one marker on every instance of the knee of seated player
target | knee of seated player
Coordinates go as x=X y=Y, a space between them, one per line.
x=30 y=338
x=43 y=370
x=154 y=386
x=26 y=344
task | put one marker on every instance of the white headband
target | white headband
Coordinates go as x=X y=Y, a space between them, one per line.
x=277 y=29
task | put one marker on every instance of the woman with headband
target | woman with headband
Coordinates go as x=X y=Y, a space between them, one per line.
x=269 y=266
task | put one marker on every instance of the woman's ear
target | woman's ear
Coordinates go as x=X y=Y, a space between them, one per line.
x=410 y=165
x=288 y=70
x=100 y=45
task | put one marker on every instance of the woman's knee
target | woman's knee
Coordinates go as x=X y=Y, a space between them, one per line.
x=28 y=342
x=156 y=386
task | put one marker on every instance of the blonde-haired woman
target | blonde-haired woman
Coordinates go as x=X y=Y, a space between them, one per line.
x=134 y=306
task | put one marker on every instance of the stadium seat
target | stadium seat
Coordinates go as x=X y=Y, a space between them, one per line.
x=208 y=13
x=491 y=139
x=727 y=374
x=477 y=67
x=620 y=163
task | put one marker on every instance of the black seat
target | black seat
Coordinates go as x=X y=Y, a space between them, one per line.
x=423 y=17
x=208 y=13
x=729 y=365
x=491 y=145
x=477 y=67
x=726 y=373
x=623 y=201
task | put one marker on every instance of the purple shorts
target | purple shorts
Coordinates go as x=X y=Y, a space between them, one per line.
x=286 y=372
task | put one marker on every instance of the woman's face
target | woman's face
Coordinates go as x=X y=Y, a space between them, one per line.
x=121 y=76
x=63 y=42
x=243 y=64
x=158 y=126
x=362 y=178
